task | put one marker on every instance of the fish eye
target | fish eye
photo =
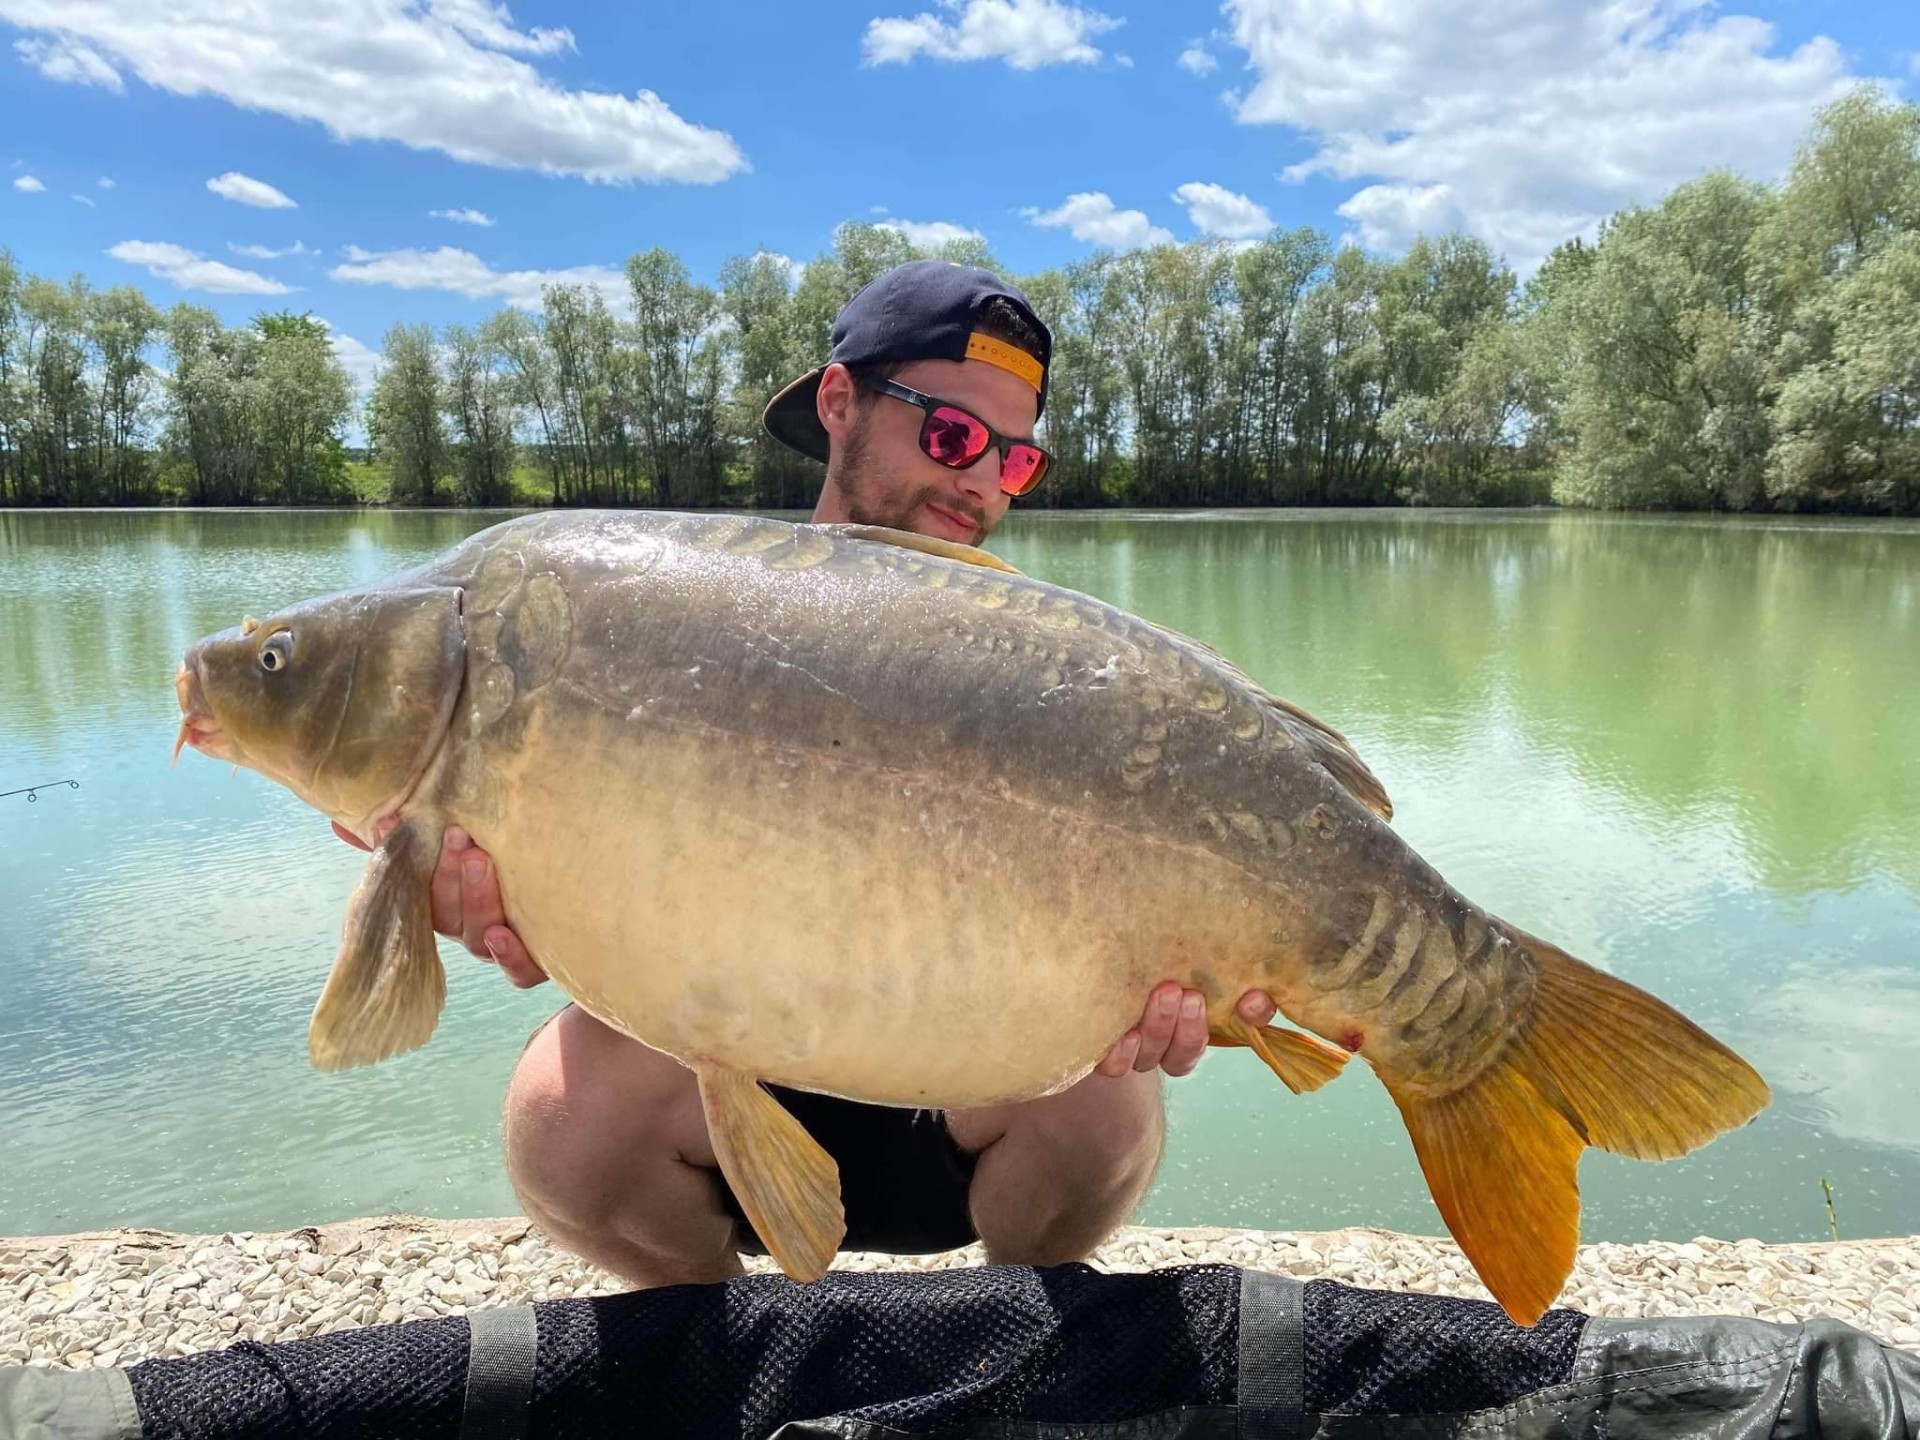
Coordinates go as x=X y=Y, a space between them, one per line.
x=277 y=653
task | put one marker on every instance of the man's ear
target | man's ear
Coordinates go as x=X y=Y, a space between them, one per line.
x=834 y=401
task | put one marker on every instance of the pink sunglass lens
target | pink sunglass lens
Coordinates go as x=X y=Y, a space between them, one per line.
x=953 y=438
x=1022 y=469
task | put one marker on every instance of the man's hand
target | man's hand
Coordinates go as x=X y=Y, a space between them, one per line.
x=466 y=904
x=1172 y=1033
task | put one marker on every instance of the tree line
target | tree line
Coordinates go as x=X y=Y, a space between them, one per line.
x=1740 y=345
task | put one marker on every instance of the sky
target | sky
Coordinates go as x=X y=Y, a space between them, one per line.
x=377 y=161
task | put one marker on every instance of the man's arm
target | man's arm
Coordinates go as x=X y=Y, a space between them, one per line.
x=1171 y=1035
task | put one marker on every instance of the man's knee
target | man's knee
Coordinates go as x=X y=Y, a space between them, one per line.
x=1058 y=1174
x=1118 y=1134
x=586 y=1108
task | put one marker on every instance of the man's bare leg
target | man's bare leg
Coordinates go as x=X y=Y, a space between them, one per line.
x=607 y=1149
x=1056 y=1176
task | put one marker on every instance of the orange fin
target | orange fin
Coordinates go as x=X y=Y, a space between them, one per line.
x=1303 y=1062
x=913 y=540
x=788 y=1186
x=1598 y=1062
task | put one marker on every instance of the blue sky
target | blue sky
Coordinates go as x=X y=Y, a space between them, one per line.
x=177 y=155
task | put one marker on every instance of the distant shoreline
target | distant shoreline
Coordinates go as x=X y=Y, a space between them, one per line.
x=1024 y=513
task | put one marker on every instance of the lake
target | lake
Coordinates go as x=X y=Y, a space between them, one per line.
x=1686 y=749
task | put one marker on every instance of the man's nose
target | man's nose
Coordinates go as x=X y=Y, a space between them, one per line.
x=982 y=478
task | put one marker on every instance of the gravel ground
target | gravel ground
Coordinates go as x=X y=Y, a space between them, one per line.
x=117 y=1297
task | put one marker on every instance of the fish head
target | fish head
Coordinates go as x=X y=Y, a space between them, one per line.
x=343 y=700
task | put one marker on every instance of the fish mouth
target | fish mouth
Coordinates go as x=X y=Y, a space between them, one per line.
x=198 y=728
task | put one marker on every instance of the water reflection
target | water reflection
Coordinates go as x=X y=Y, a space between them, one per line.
x=1688 y=750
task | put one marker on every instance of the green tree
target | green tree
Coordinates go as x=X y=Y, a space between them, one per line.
x=679 y=354
x=403 y=419
x=756 y=297
x=120 y=325
x=481 y=407
x=302 y=400
x=213 y=421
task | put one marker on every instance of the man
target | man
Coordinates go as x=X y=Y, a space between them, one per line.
x=924 y=415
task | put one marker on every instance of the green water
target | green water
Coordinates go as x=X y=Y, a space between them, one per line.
x=1688 y=750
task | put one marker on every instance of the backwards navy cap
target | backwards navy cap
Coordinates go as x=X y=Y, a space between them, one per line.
x=923 y=310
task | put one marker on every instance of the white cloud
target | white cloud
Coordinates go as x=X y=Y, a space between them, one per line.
x=1528 y=121
x=1878 y=1010
x=69 y=60
x=439 y=75
x=361 y=361
x=463 y=217
x=263 y=252
x=191 y=271
x=104 y=182
x=1027 y=34
x=29 y=184
x=1090 y=216
x=492 y=26
x=464 y=273
x=929 y=234
x=245 y=190
x=1199 y=60
x=1216 y=210
x=86 y=200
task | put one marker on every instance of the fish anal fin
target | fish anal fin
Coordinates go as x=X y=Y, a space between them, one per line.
x=1303 y=1062
x=385 y=992
x=1504 y=1169
x=931 y=545
x=788 y=1186
x=1595 y=1061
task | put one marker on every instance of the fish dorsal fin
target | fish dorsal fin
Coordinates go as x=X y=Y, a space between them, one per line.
x=911 y=540
x=1326 y=744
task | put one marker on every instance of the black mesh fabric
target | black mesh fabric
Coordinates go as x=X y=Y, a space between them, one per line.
x=1383 y=1352
x=914 y=1351
x=917 y=1351
x=400 y=1382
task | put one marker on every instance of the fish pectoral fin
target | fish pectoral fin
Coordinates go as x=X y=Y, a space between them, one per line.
x=908 y=540
x=387 y=986
x=788 y=1186
x=1303 y=1062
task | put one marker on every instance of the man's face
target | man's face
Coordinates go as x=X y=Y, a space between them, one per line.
x=879 y=475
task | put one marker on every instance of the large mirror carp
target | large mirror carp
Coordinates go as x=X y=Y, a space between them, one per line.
x=860 y=812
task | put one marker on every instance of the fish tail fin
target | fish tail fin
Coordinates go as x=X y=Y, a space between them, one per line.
x=1596 y=1062
x=1301 y=1061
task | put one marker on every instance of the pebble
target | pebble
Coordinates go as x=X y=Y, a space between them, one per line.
x=119 y=1297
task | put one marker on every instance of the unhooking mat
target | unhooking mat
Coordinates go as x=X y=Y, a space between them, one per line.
x=1206 y=1352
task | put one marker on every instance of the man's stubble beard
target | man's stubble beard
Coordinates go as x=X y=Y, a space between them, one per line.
x=871 y=500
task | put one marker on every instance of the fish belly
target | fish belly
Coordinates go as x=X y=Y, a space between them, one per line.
x=877 y=935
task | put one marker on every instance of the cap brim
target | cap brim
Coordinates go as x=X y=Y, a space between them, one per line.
x=792 y=417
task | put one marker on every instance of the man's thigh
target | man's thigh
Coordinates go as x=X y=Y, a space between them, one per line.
x=580 y=1080
x=1099 y=1118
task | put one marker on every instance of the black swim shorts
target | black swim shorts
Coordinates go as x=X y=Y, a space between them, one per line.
x=903 y=1179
